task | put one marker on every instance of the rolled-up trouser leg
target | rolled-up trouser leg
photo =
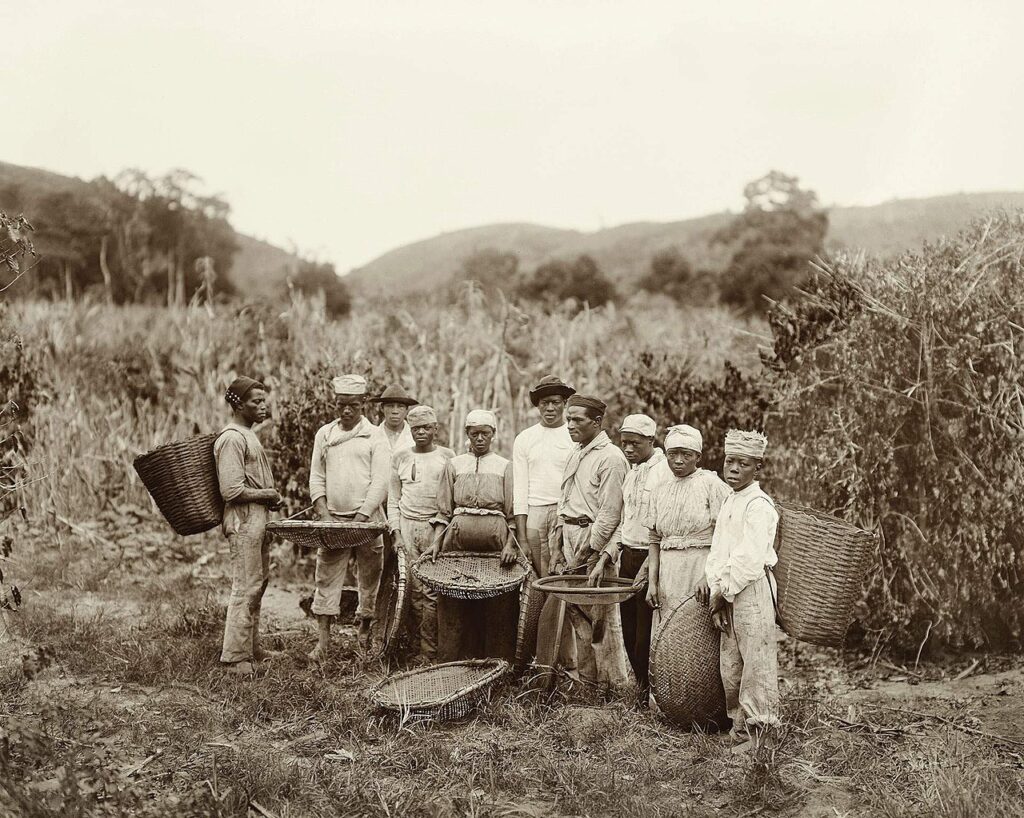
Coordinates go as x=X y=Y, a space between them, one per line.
x=417 y=536
x=249 y=576
x=370 y=562
x=539 y=521
x=331 y=567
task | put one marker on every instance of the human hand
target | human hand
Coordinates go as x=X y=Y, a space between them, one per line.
x=397 y=543
x=703 y=593
x=508 y=553
x=721 y=620
x=717 y=602
x=594 y=578
x=652 y=594
x=434 y=550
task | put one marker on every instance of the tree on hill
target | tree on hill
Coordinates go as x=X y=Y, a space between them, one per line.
x=492 y=269
x=780 y=231
x=314 y=278
x=581 y=281
x=670 y=274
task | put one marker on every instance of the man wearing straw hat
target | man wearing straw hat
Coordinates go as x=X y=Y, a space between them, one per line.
x=648 y=470
x=394 y=403
x=348 y=478
x=589 y=511
x=539 y=455
x=740 y=592
x=247 y=486
x=412 y=502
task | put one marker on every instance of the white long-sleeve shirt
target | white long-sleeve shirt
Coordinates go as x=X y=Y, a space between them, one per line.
x=353 y=473
x=399 y=441
x=539 y=455
x=637 y=490
x=743 y=542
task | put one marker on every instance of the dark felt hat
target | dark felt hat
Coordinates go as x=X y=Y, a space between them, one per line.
x=396 y=394
x=550 y=385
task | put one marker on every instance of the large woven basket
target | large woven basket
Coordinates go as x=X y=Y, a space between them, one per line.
x=685 y=677
x=820 y=573
x=470 y=574
x=447 y=691
x=573 y=588
x=531 y=604
x=392 y=601
x=335 y=535
x=181 y=477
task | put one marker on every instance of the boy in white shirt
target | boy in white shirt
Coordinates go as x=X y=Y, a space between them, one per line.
x=739 y=592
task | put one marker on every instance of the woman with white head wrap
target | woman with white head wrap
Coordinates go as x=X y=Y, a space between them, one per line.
x=475 y=513
x=681 y=522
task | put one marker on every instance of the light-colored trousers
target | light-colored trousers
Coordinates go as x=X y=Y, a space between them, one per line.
x=603 y=661
x=749 y=659
x=540 y=520
x=416 y=537
x=331 y=568
x=250 y=573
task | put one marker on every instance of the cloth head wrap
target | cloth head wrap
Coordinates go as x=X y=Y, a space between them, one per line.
x=349 y=385
x=639 y=425
x=240 y=387
x=588 y=401
x=481 y=417
x=745 y=444
x=684 y=437
x=421 y=416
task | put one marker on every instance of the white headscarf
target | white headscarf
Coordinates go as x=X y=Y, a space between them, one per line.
x=746 y=444
x=684 y=437
x=481 y=417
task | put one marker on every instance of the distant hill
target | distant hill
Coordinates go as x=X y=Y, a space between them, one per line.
x=624 y=252
x=257 y=265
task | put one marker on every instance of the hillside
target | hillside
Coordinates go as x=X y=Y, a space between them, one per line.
x=625 y=251
x=257 y=266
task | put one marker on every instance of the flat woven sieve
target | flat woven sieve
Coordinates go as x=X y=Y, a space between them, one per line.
x=441 y=692
x=333 y=536
x=470 y=574
x=573 y=588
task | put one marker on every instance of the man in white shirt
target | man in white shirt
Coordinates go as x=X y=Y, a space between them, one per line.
x=648 y=470
x=348 y=480
x=539 y=455
x=394 y=404
x=740 y=592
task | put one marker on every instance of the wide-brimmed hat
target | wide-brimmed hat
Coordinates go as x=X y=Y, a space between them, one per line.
x=550 y=385
x=396 y=394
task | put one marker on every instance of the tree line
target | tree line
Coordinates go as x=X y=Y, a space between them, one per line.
x=771 y=245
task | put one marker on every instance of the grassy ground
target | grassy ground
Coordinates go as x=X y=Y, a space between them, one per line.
x=111 y=702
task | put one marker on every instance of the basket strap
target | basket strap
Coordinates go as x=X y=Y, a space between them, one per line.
x=297 y=513
x=770 y=576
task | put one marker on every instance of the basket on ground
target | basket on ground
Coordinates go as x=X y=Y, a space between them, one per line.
x=573 y=588
x=335 y=535
x=820 y=573
x=181 y=477
x=685 y=677
x=470 y=574
x=447 y=691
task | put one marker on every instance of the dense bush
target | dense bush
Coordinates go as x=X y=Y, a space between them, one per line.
x=315 y=278
x=899 y=403
x=581 y=281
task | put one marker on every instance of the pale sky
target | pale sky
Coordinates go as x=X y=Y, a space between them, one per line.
x=350 y=128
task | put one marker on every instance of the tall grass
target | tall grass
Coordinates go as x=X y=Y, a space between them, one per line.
x=118 y=381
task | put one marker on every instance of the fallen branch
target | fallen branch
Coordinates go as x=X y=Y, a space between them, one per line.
x=261 y=809
x=964 y=674
x=962 y=727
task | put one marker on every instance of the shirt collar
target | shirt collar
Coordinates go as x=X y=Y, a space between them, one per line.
x=599 y=442
x=751 y=489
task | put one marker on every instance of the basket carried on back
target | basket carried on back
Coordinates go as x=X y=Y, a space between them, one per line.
x=470 y=574
x=820 y=573
x=335 y=535
x=447 y=691
x=181 y=477
x=685 y=677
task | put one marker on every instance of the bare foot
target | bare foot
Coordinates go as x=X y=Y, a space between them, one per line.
x=317 y=654
x=267 y=655
x=239 y=668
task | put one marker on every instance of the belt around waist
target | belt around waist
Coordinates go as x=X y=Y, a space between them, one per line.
x=580 y=522
x=479 y=512
x=682 y=543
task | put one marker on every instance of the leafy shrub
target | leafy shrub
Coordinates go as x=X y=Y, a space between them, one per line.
x=581 y=281
x=899 y=401
x=315 y=278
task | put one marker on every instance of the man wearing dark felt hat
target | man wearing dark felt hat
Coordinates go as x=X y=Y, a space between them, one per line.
x=394 y=404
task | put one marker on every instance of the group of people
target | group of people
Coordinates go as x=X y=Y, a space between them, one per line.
x=569 y=500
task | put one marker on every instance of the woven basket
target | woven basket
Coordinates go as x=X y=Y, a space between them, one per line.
x=441 y=692
x=573 y=588
x=392 y=600
x=531 y=604
x=685 y=677
x=820 y=573
x=470 y=574
x=181 y=478
x=335 y=535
